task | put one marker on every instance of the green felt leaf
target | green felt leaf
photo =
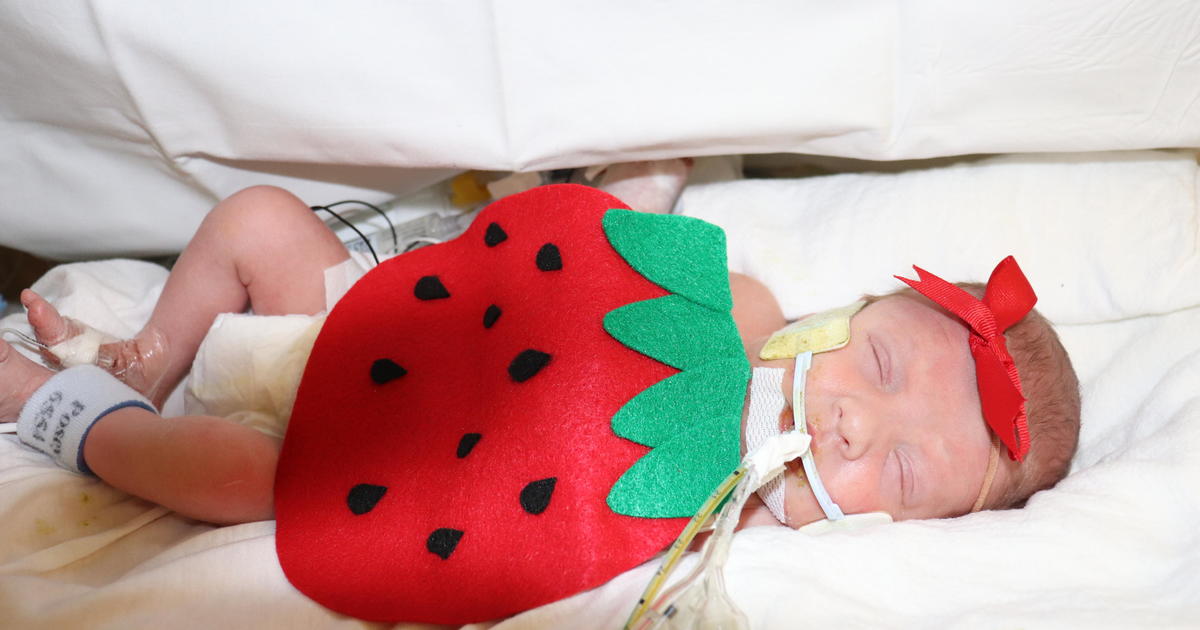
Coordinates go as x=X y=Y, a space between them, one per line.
x=683 y=401
x=674 y=479
x=676 y=331
x=691 y=420
x=681 y=254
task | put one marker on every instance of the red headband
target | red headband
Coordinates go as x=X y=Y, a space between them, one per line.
x=1007 y=299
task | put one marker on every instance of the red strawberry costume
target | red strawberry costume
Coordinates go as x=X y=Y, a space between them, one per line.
x=514 y=416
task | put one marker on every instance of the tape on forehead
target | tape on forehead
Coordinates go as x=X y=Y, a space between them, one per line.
x=820 y=332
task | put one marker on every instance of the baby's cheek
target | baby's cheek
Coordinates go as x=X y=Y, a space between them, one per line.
x=814 y=380
x=823 y=385
x=802 y=505
x=853 y=485
x=817 y=423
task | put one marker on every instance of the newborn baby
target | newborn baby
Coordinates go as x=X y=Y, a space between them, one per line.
x=895 y=414
x=903 y=416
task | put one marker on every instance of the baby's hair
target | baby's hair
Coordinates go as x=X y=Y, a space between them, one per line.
x=1051 y=391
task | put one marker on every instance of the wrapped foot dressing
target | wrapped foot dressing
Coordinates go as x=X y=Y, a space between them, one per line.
x=81 y=349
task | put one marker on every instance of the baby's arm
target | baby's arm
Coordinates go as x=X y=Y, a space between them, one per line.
x=203 y=467
x=756 y=312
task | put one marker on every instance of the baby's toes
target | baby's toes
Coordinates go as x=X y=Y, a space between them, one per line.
x=48 y=325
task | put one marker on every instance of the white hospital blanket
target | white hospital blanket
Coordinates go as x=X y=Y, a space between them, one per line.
x=123 y=122
x=1109 y=241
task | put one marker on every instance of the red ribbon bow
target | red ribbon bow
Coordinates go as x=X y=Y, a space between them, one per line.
x=1006 y=300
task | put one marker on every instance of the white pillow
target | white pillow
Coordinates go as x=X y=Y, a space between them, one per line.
x=1101 y=236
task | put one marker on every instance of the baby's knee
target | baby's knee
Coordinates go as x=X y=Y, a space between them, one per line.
x=268 y=221
x=260 y=208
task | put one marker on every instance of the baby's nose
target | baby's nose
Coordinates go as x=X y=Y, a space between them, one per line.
x=855 y=428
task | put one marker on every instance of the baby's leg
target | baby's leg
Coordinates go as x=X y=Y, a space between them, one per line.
x=206 y=468
x=261 y=248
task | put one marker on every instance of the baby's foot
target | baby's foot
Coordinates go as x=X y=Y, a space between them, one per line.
x=48 y=325
x=647 y=186
x=19 y=378
x=139 y=362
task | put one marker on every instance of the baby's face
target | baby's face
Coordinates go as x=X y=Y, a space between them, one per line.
x=894 y=416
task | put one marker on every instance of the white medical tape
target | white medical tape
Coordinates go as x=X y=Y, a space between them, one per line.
x=762 y=423
x=769 y=460
x=799 y=380
x=58 y=416
x=82 y=349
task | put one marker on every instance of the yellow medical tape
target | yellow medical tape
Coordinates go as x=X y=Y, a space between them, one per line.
x=820 y=332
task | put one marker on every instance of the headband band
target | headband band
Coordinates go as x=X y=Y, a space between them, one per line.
x=988 y=477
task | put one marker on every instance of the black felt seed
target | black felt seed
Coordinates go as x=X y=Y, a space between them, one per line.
x=491 y=315
x=443 y=541
x=526 y=364
x=535 y=496
x=384 y=370
x=363 y=497
x=430 y=288
x=468 y=442
x=494 y=235
x=548 y=258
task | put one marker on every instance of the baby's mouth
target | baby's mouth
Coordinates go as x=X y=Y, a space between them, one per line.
x=787 y=422
x=797 y=469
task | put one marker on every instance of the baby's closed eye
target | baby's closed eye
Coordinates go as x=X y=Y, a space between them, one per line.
x=884 y=362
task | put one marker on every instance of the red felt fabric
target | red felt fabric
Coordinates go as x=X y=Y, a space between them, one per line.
x=404 y=434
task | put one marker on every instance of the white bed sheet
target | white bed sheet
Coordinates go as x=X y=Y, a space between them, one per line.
x=124 y=122
x=1113 y=546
